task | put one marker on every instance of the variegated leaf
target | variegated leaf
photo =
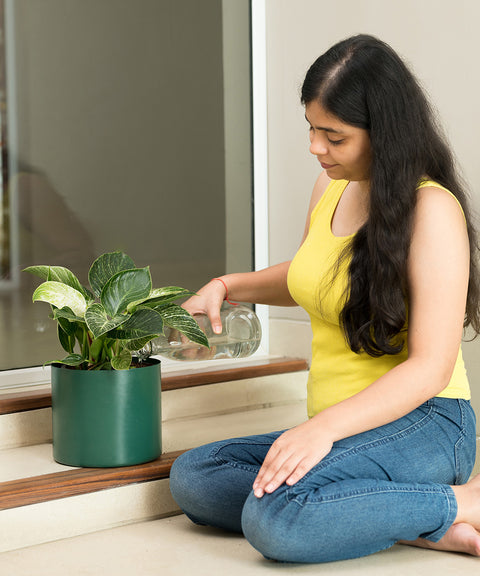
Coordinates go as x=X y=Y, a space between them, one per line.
x=60 y=295
x=59 y=274
x=70 y=360
x=142 y=323
x=107 y=266
x=67 y=314
x=124 y=288
x=161 y=296
x=178 y=318
x=122 y=361
x=99 y=322
x=138 y=344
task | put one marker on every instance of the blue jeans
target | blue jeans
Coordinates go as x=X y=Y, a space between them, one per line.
x=388 y=484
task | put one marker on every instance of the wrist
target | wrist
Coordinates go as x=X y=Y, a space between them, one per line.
x=326 y=423
x=225 y=286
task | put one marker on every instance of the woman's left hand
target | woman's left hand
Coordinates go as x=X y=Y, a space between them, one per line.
x=291 y=456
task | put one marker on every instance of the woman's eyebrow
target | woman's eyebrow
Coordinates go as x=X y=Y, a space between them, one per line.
x=326 y=129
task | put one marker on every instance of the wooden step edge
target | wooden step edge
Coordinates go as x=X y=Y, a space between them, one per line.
x=36 y=399
x=265 y=368
x=37 y=489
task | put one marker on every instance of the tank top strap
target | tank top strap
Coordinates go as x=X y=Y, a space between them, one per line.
x=326 y=206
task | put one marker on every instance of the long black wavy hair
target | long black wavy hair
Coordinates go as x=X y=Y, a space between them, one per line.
x=363 y=82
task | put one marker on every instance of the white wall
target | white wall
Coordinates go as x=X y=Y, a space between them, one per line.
x=437 y=38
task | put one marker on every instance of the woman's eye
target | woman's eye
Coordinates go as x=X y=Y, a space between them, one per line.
x=335 y=142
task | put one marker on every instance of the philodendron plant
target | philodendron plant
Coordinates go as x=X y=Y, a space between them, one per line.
x=100 y=327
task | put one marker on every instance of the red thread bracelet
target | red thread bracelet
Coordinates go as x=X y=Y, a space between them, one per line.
x=226 y=291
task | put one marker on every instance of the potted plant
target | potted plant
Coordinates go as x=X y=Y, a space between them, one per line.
x=105 y=399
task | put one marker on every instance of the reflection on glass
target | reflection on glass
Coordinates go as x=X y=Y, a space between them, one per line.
x=130 y=130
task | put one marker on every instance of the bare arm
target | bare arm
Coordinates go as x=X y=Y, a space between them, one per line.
x=438 y=280
x=267 y=286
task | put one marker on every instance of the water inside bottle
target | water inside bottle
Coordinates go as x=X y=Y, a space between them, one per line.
x=221 y=347
x=240 y=337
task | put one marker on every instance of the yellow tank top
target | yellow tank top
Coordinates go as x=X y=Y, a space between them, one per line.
x=336 y=373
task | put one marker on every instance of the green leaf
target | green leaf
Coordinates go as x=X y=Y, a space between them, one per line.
x=66 y=340
x=96 y=348
x=81 y=330
x=178 y=318
x=61 y=295
x=142 y=323
x=70 y=360
x=122 y=361
x=139 y=343
x=161 y=296
x=66 y=316
x=59 y=274
x=124 y=288
x=68 y=327
x=99 y=322
x=89 y=296
x=107 y=266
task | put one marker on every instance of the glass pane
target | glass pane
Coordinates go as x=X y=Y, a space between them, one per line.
x=128 y=128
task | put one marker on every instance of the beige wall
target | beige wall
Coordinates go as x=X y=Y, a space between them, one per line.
x=439 y=41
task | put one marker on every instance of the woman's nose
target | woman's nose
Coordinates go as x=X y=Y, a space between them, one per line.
x=318 y=147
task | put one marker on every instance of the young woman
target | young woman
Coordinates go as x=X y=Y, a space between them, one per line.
x=387 y=272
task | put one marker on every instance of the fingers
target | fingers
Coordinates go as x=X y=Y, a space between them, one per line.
x=302 y=468
x=280 y=465
x=214 y=304
x=289 y=472
x=290 y=457
x=271 y=479
x=208 y=300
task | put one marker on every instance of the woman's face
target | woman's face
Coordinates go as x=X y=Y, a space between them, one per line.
x=343 y=151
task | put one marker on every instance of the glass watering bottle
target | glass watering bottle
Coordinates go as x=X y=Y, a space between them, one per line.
x=240 y=337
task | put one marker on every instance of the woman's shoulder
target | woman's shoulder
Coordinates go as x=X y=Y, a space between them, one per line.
x=324 y=186
x=321 y=185
x=439 y=217
x=434 y=201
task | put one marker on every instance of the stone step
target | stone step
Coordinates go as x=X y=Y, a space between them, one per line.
x=42 y=506
x=41 y=500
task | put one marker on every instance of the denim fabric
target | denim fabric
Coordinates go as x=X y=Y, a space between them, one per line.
x=388 y=484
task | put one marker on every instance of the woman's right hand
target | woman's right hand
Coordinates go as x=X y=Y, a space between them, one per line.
x=208 y=300
x=267 y=286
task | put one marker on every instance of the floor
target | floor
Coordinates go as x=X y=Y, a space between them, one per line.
x=174 y=546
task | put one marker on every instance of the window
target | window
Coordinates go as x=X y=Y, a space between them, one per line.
x=126 y=125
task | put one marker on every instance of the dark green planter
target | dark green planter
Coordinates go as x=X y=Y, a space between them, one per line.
x=106 y=418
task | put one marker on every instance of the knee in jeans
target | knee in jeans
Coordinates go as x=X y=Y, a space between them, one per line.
x=265 y=526
x=184 y=476
x=176 y=476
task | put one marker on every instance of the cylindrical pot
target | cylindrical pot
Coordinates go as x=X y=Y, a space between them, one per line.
x=104 y=418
